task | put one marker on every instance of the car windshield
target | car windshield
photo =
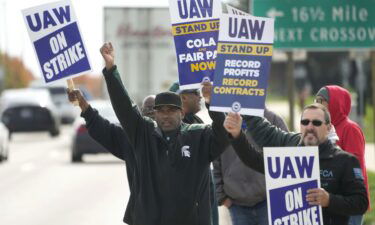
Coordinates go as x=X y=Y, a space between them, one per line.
x=57 y=91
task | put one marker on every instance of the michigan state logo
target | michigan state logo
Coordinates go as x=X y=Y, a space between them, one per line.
x=236 y=106
x=206 y=79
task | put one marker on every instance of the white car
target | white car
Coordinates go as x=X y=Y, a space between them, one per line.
x=66 y=111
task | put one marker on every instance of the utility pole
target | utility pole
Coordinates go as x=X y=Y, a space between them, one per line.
x=290 y=85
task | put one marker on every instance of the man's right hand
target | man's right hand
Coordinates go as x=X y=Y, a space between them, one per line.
x=233 y=123
x=76 y=95
x=108 y=54
x=227 y=203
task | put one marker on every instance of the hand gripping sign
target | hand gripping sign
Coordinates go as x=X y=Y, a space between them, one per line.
x=242 y=64
x=290 y=172
x=54 y=32
x=195 y=26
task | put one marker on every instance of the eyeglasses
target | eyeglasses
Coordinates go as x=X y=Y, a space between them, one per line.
x=316 y=123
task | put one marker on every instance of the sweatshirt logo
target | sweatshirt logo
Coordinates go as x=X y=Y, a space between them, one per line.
x=185 y=151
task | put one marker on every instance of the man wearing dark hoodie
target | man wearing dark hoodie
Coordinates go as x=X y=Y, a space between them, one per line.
x=171 y=158
x=191 y=105
x=351 y=138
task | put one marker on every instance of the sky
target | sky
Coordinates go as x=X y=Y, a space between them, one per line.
x=15 y=40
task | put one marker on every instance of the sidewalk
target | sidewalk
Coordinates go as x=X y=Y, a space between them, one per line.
x=370 y=156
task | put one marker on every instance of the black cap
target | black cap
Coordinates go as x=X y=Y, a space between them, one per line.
x=168 y=99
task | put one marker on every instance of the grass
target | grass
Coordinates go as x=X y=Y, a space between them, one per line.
x=368 y=120
x=368 y=128
x=370 y=216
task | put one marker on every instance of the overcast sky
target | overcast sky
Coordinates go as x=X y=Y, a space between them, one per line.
x=15 y=41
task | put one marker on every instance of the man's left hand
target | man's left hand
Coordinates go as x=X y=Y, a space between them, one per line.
x=317 y=196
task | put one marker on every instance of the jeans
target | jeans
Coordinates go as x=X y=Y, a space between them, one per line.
x=356 y=220
x=245 y=215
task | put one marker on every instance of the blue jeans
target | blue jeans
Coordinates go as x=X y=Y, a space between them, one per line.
x=245 y=215
x=356 y=220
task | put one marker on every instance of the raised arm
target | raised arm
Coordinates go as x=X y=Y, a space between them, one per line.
x=266 y=135
x=126 y=111
x=219 y=135
x=245 y=151
x=109 y=135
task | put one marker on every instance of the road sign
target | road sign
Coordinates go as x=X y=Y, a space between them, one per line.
x=320 y=24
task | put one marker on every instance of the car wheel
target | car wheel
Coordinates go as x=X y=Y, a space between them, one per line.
x=76 y=157
x=3 y=155
x=54 y=132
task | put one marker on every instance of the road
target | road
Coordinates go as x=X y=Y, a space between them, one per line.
x=39 y=185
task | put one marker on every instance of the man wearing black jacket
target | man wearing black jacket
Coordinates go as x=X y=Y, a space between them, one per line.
x=171 y=160
x=191 y=105
x=343 y=192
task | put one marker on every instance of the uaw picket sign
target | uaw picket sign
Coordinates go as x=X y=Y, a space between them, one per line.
x=290 y=172
x=54 y=33
x=244 y=54
x=195 y=27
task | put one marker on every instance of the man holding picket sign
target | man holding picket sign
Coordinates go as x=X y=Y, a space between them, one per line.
x=171 y=159
x=343 y=193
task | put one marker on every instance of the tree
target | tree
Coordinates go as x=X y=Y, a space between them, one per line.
x=14 y=73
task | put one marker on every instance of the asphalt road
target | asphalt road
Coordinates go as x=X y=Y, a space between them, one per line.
x=39 y=185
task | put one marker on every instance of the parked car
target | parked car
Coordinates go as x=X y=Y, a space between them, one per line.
x=4 y=142
x=27 y=110
x=65 y=110
x=82 y=142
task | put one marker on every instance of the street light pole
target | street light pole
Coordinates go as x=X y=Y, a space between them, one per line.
x=290 y=82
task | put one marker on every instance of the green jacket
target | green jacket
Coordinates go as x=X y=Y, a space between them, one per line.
x=171 y=179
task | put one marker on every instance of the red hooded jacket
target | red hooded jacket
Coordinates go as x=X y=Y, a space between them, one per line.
x=351 y=137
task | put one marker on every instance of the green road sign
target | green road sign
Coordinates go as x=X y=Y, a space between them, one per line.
x=320 y=24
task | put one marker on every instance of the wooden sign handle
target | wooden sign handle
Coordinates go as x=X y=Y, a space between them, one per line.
x=71 y=87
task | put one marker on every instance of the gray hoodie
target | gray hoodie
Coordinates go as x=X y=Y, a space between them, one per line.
x=234 y=180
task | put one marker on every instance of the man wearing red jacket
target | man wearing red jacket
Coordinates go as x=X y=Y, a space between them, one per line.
x=351 y=138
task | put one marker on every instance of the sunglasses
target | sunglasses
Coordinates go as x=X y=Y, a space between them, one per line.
x=316 y=123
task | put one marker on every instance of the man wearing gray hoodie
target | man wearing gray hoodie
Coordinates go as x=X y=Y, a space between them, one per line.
x=241 y=189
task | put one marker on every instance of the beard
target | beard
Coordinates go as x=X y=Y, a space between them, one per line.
x=310 y=138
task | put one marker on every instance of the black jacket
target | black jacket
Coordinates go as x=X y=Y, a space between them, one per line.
x=113 y=138
x=191 y=118
x=347 y=192
x=171 y=178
